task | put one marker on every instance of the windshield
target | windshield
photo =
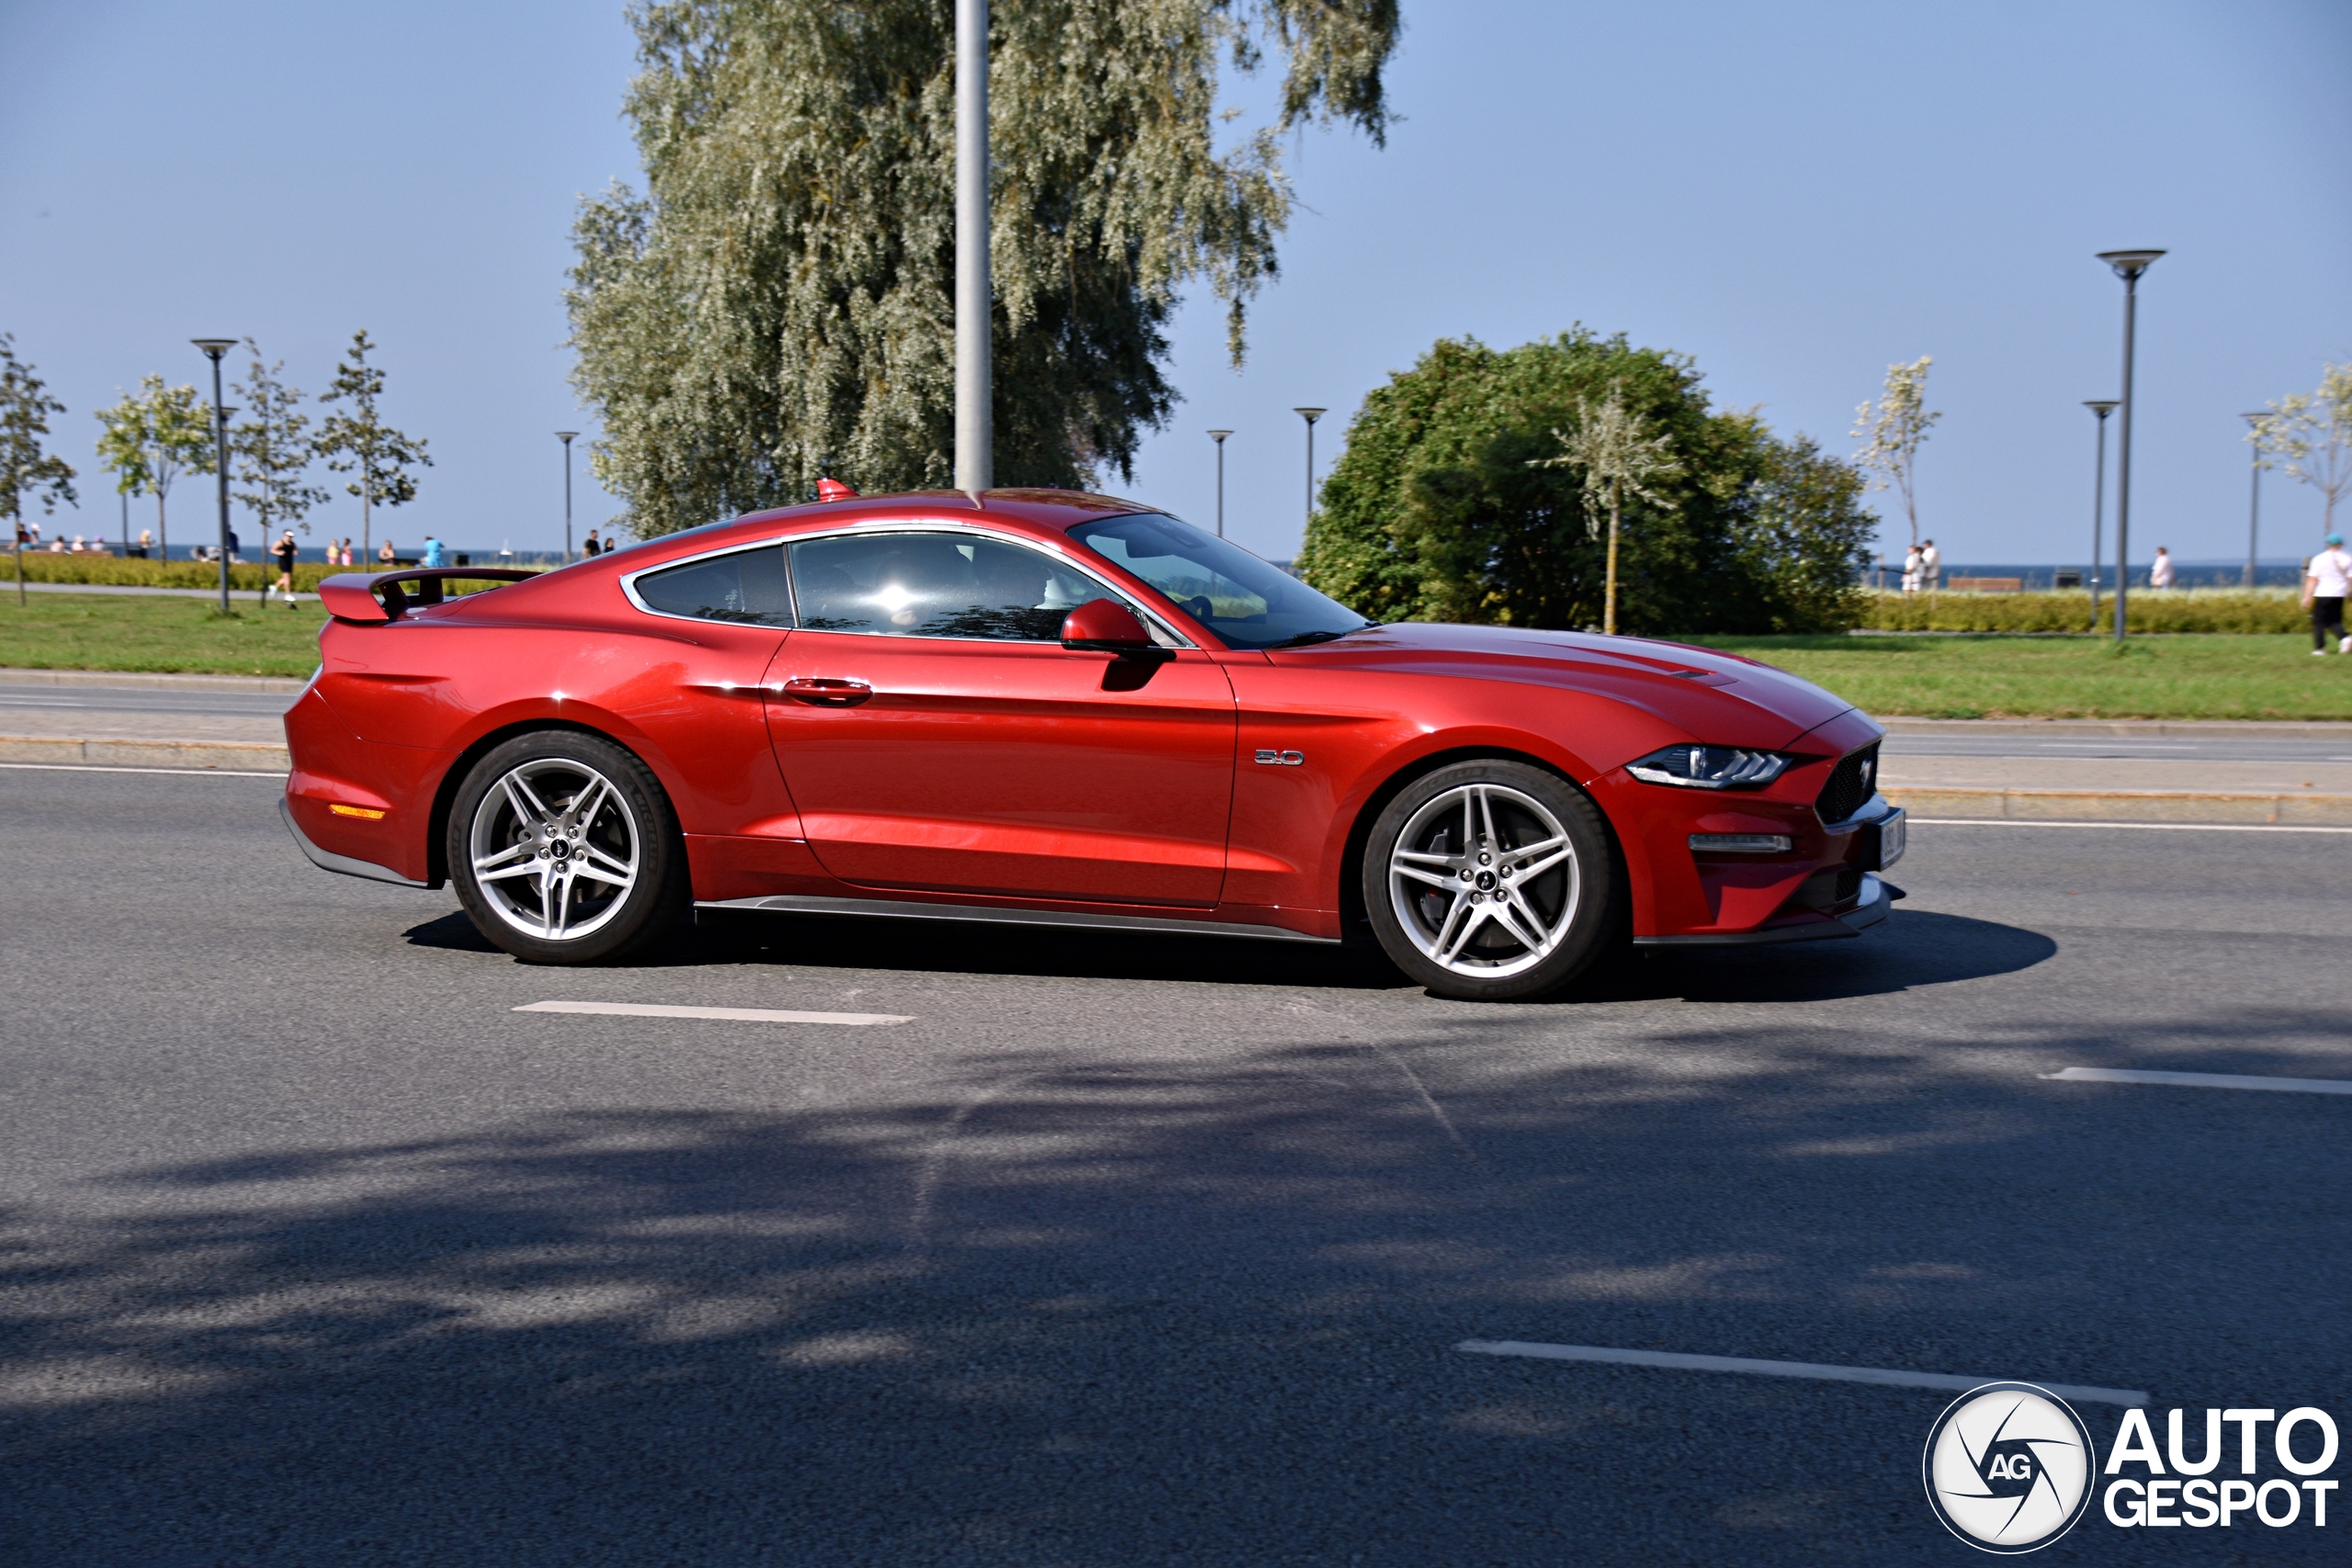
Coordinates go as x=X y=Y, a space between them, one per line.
x=1244 y=601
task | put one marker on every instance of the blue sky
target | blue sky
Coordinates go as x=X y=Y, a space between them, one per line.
x=1796 y=196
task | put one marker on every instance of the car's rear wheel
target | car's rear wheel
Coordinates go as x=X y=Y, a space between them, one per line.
x=1491 y=881
x=564 y=850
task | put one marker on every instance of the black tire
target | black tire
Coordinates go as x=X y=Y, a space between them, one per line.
x=1518 y=935
x=558 y=901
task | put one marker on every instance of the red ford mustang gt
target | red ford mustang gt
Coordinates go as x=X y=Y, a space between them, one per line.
x=1041 y=707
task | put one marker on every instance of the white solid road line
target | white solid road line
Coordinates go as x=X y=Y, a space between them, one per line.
x=1676 y=1360
x=736 y=1015
x=2137 y=827
x=2198 y=1080
x=177 y=773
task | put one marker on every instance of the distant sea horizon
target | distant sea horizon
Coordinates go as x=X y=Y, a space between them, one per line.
x=2283 y=571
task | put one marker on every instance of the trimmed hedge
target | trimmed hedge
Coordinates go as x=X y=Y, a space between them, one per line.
x=2148 y=610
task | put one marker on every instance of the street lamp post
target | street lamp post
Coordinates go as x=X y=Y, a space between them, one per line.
x=2127 y=266
x=2254 y=498
x=214 y=347
x=975 y=369
x=566 y=436
x=1310 y=416
x=2101 y=407
x=1218 y=436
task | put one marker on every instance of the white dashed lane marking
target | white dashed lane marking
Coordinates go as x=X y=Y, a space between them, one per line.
x=731 y=1015
x=1676 y=1360
x=2198 y=1080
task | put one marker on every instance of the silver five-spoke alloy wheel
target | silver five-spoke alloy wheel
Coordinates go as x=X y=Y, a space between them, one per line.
x=1484 y=881
x=555 y=849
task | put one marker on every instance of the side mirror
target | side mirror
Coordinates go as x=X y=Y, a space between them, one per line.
x=1100 y=626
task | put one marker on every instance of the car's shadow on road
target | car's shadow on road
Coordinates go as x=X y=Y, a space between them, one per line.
x=1908 y=950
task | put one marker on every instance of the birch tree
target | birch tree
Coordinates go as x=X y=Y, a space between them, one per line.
x=28 y=471
x=360 y=442
x=152 y=438
x=1619 y=455
x=1891 y=431
x=782 y=291
x=271 y=450
x=2311 y=436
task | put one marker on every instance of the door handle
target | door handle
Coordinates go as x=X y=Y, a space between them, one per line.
x=826 y=691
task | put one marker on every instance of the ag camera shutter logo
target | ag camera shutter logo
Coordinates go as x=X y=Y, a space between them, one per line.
x=2008 y=1468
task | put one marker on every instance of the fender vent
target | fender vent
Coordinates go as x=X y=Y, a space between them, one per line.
x=1852 y=783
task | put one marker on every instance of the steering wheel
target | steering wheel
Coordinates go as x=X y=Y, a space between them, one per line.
x=1199 y=608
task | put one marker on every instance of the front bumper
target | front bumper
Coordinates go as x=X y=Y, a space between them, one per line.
x=1878 y=897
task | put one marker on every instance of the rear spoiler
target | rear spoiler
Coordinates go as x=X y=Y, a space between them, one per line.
x=354 y=595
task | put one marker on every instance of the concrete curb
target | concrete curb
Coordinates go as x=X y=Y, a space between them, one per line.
x=231 y=756
x=2116 y=729
x=145 y=680
x=2217 y=807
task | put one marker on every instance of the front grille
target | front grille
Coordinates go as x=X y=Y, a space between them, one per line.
x=1852 y=783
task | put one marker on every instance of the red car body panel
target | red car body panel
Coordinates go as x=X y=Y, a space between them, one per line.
x=1223 y=786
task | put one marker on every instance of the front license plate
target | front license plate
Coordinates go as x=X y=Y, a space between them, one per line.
x=1891 y=833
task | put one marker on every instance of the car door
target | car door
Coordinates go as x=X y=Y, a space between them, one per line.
x=936 y=736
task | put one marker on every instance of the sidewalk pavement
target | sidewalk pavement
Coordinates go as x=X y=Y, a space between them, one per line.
x=236 y=596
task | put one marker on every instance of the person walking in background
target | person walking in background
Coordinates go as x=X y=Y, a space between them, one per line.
x=434 y=554
x=2160 y=574
x=386 y=556
x=1911 y=570
x=146 y=543
x=2327 y=577
x=589 y=546
x=1931 y=567
x=286 y=550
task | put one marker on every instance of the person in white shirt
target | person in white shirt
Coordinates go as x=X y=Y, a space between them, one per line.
x=2160 y=574
x=1931 y=567
x=1911 y=570
x=2326 y=580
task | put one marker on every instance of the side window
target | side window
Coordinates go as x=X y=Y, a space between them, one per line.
x=947 y=585
x=749 y=586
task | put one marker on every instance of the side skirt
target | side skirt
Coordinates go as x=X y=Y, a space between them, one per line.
x=811 y=904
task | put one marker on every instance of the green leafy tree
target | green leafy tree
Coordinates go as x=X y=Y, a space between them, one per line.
x=151 y=439
x=271 y=451
x=2312 y=438
x=27 y=472
x=1448 y=505
x=360 y=442
x=1891 y=431
x=1614 y=447
x=782 y=293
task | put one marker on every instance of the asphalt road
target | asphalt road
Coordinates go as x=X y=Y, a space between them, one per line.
x=163 y=703
x=1123 y=1251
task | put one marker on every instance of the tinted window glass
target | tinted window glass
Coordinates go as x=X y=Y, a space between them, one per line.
x=1223 y=586
x=747 y=586
x=906 y=584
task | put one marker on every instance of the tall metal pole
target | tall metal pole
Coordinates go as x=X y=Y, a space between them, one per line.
x=1310 y=416
x=1218 y=436
x=2127 y=266
x=2254 y=497
x=2101 y=407
x=565 y=436
x=975 y=420
x=214 y=347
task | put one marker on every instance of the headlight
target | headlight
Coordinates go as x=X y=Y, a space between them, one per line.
x=1710 y=767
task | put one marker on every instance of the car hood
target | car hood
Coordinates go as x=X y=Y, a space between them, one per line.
x=1720 y=697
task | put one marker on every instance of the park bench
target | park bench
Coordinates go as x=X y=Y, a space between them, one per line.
x=1985 y=584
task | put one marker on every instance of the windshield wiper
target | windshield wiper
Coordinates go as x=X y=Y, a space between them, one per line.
x=1306 y=639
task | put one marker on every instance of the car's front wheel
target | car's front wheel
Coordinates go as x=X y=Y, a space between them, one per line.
x=1491 y=881
x=564 y=850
